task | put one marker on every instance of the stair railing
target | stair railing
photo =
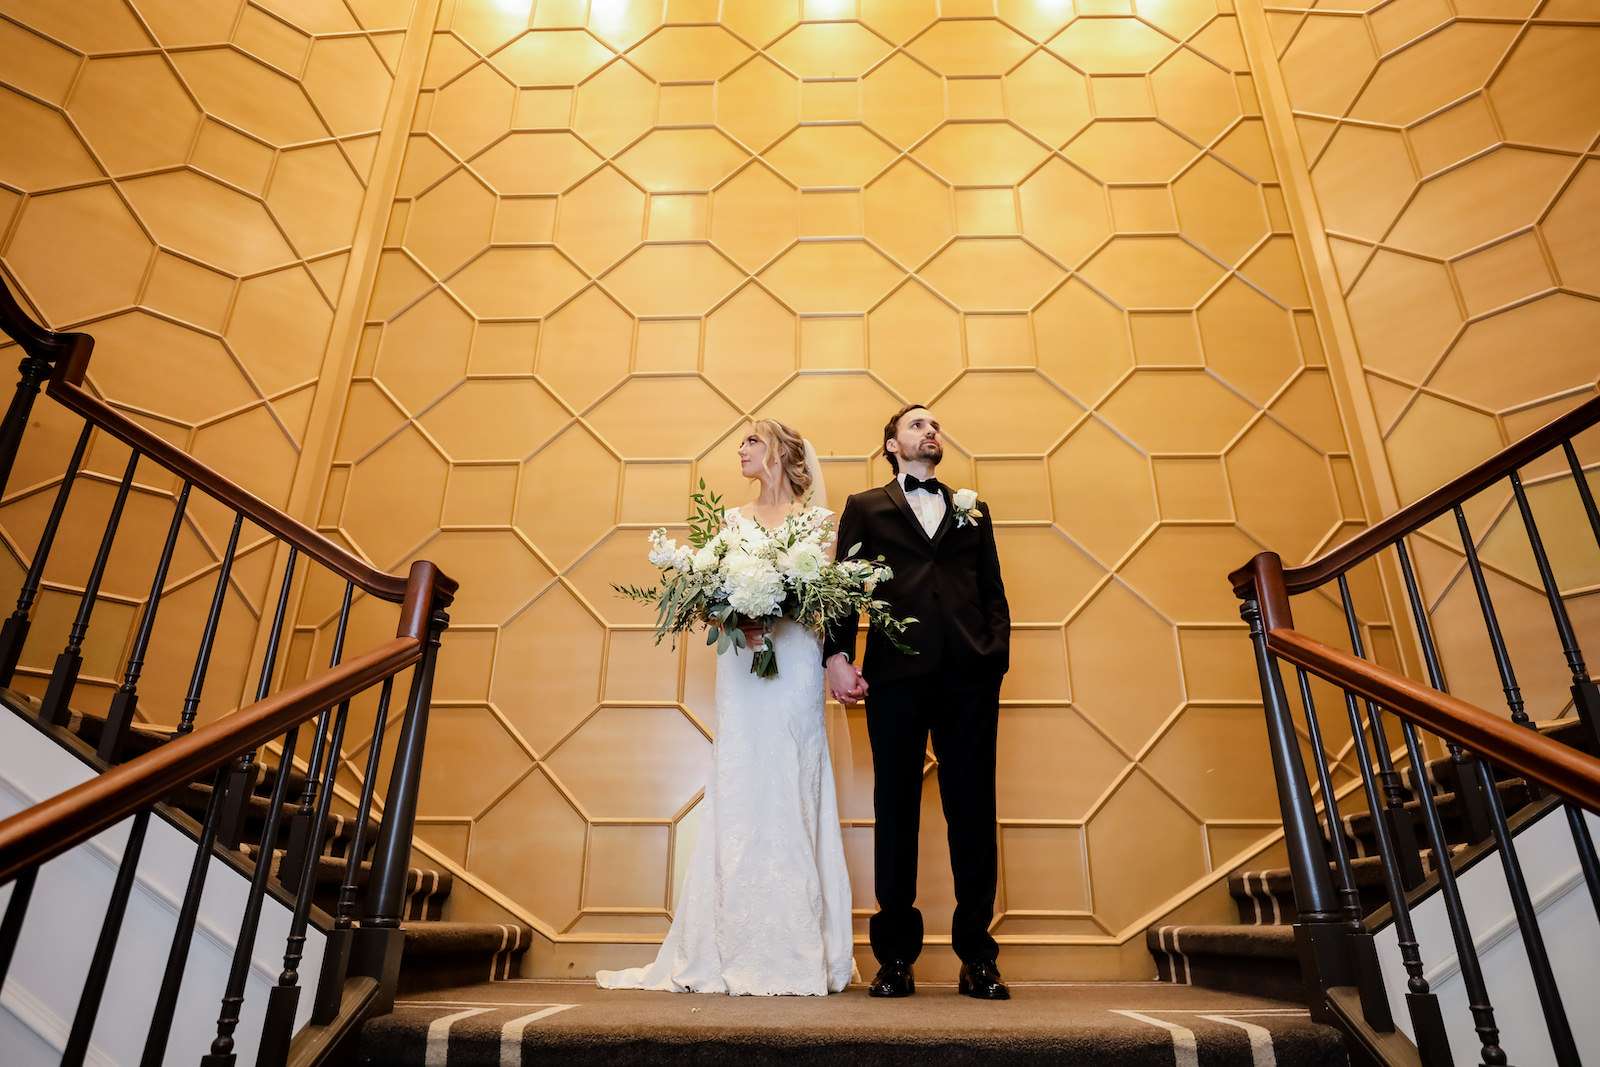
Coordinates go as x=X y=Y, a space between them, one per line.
x=1337 y=949
x=224 y=758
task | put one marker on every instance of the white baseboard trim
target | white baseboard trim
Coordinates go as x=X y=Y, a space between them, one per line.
x=50 y=1027
x=171 y=903
x=1508 y=926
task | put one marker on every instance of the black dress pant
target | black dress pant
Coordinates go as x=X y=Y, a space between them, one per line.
x=960 y=710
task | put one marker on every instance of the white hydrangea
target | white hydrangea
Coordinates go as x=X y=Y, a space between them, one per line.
x=753 y=584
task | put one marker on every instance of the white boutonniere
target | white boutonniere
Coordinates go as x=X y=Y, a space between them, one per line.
x=965 y=502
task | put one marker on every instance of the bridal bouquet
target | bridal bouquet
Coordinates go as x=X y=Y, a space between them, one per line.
x=730 y=572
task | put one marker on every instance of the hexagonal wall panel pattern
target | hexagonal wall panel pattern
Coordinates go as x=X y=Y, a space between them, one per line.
x=184 y=181
x=1451 y=151
x=622 y=229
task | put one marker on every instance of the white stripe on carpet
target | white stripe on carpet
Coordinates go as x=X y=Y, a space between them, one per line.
x=1185 y=1053
x=1261 y=1054
x=439 y=1036
x=511 y=1034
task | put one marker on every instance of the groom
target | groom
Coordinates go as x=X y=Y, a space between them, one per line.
x=947 y=576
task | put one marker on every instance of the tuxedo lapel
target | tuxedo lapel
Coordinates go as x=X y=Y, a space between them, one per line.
x=949 y=516
x=898 y=495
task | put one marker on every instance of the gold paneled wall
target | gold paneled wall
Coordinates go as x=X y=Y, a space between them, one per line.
x=183 y=181
x=620 y=227
x=1451 y=152
x=623 y=227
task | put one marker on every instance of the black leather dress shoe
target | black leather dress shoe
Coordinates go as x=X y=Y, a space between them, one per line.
x=894 y=980
x=981 y=979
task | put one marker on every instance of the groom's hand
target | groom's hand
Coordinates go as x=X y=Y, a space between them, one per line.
x=845 y=682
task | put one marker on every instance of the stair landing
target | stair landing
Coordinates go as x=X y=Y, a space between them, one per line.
x=1125 y=1024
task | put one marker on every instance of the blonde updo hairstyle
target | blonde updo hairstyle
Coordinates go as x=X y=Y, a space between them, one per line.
x=789 y=450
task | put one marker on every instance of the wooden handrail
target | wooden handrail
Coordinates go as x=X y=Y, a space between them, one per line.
x=1558 y=767
x=53 y=826
x=61 y=822
x=69 y=353
x=336 y=558
x=1414 y=516
x=35 y=340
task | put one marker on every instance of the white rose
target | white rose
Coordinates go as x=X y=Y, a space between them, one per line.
x=705 y=559
x=804 y=561
x=965 y=499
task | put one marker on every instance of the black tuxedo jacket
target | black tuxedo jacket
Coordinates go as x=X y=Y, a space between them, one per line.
x=950 y=583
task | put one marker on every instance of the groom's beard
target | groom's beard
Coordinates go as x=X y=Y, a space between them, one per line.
x=932 y=451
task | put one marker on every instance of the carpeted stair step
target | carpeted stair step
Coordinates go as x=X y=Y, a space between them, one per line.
x=338 y=832
x=1267 y=896
x=1256 y=960
x=1110 y=1024
x=1441 y=771
x=442 y=955
x=1359 y=834
x=425 y=893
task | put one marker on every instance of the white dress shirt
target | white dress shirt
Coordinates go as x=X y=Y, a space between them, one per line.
x=928 y=505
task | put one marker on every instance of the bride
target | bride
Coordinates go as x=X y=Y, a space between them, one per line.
x=765 y=907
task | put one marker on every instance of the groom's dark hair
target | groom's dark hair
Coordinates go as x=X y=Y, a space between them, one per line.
x=891 y=428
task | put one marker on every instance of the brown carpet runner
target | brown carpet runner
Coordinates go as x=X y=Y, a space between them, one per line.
x=1134 y=1024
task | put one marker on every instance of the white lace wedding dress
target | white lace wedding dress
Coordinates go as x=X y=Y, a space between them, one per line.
x=765 y=907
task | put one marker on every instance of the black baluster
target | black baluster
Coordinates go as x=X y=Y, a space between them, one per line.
x=221 y=1054
x=1497 y=641
x=1555 y=1013
x=1585 y=694
x=381 y=937
x=1584 y=493
x=1426 y=1019
x=14 y=634
x=298 y=854
x=1320 y=930
x=155 y=1042
x=16 y=912
x=64 y=678
x=1362 y=947
x=1466 y=951
x=208 y=636
x=246 y=772
x=1471 y=807
x=336 y=955
x=105 y=948
x=1402 y=823
x=1584 y=843
x=285 y=996
x=33 y=370
x=119 y=718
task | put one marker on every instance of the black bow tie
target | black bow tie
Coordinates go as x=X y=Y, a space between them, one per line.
x=931 y=485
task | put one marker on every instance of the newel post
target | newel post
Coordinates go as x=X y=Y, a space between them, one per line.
x=1320 y=931
x=377 y=946
x=42 y=350
x=33 y=370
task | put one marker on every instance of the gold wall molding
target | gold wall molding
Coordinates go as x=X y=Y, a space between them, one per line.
x=618 y=233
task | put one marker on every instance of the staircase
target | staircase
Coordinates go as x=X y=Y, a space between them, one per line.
x=1257 y=955
x=438 y=953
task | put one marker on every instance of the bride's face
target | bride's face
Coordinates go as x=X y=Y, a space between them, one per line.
x=752 y=454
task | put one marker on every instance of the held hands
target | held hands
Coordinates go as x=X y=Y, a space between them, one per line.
x=845 y=683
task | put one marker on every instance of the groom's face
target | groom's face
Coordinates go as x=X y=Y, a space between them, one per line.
x=918 y=437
